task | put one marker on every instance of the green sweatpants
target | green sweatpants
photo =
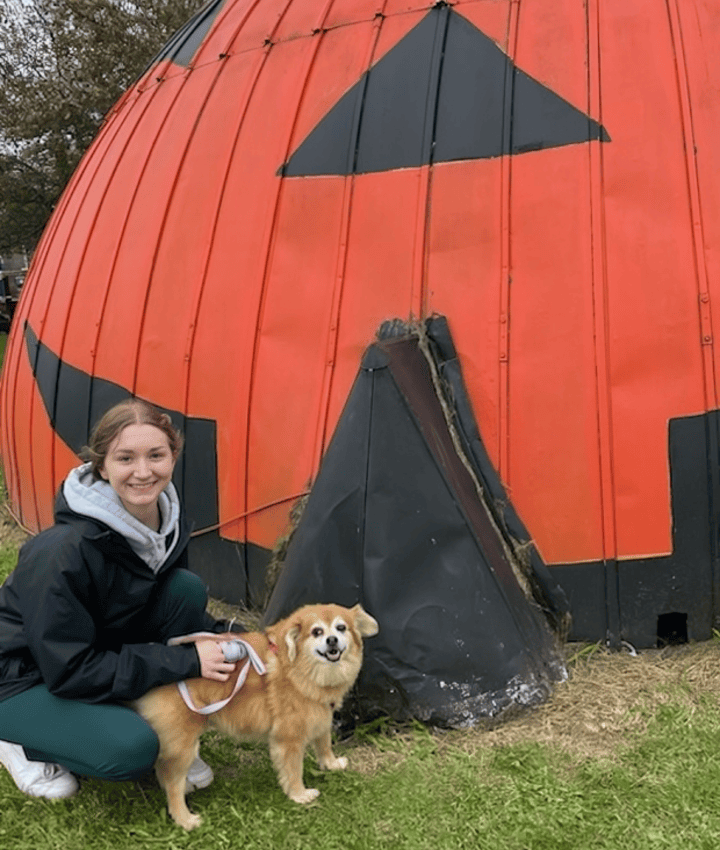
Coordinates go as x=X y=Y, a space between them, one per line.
x=108 y=741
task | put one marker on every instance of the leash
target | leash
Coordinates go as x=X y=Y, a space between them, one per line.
x=233 y=650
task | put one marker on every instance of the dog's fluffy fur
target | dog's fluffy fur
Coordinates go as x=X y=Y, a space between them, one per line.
x=312 y=657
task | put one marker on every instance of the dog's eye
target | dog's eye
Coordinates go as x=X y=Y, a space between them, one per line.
x=317 y=632
x=341 y=627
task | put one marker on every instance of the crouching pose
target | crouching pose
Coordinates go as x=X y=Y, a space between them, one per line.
x=86 y=615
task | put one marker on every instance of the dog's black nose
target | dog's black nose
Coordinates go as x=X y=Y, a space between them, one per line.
x=331 y=640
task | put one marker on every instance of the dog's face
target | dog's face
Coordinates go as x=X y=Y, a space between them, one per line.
x=325 y=641
x=329 y=640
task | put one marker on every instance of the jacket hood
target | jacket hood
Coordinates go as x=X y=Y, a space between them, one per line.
x=97 y=500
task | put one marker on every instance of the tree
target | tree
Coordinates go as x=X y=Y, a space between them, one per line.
x=63 y=64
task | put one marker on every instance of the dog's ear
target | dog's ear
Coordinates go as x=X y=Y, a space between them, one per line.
x=364 y=623
x=291 y=636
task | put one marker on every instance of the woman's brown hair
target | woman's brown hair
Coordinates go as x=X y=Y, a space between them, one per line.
x=134 y=411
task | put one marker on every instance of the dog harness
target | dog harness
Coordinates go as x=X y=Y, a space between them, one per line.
x=233 y=650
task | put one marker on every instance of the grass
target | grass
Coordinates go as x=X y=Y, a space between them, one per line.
x=624 y=755
x=659 y=793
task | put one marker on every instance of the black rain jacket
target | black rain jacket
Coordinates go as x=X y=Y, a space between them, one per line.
x=74 y=605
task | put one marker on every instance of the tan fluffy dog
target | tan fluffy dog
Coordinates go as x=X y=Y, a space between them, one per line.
x=312 y=658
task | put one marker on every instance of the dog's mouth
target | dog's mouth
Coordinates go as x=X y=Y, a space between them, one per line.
x=332 y=653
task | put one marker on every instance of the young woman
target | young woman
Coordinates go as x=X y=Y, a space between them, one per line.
x=86 y=614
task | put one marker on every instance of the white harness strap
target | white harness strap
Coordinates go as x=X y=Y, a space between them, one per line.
x=244 y=649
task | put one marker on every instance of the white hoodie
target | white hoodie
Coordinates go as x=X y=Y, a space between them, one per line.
x=98 y=500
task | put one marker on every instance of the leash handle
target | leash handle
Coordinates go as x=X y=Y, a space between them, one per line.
x=242 y=650
x=233 y=650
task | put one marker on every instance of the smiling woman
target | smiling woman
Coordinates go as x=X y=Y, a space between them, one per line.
x=138 y=461
x=139 y=467
x=87 y=613
x=133 y=450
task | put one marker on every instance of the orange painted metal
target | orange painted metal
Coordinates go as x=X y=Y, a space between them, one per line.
x=579 y=281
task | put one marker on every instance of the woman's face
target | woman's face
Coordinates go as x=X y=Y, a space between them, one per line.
x=138 y=466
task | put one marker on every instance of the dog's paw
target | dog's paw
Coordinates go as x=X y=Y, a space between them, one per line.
x=307 y=795
x=188 y=821
x=340 y=763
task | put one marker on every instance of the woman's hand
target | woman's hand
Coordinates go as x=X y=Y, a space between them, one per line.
x=212 y=661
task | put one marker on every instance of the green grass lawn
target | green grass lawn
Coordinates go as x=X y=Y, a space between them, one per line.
x=623 y=757
x=659 y=793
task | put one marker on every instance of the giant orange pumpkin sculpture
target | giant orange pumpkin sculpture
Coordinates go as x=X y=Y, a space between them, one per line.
x=289 y=174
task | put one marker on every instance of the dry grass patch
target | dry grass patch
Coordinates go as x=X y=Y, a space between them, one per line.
x=610 y=696
x=248 y=620
x=10 y=532
x=604 y=706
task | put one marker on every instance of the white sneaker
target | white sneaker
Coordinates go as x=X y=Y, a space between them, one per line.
x=200 y=775
x=37 y=778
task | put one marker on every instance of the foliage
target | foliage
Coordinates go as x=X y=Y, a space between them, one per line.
x=63 y=64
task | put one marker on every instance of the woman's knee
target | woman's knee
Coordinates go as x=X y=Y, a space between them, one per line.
x=129 y=755
x=107 y=741
x=179 y=607
x=189 y=588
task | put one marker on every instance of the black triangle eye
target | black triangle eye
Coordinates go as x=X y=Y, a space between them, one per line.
x=445 y=92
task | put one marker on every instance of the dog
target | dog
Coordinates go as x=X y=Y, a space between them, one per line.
x=311 y=659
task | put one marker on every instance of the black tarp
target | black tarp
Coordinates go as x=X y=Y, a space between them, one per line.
x=395 y=521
